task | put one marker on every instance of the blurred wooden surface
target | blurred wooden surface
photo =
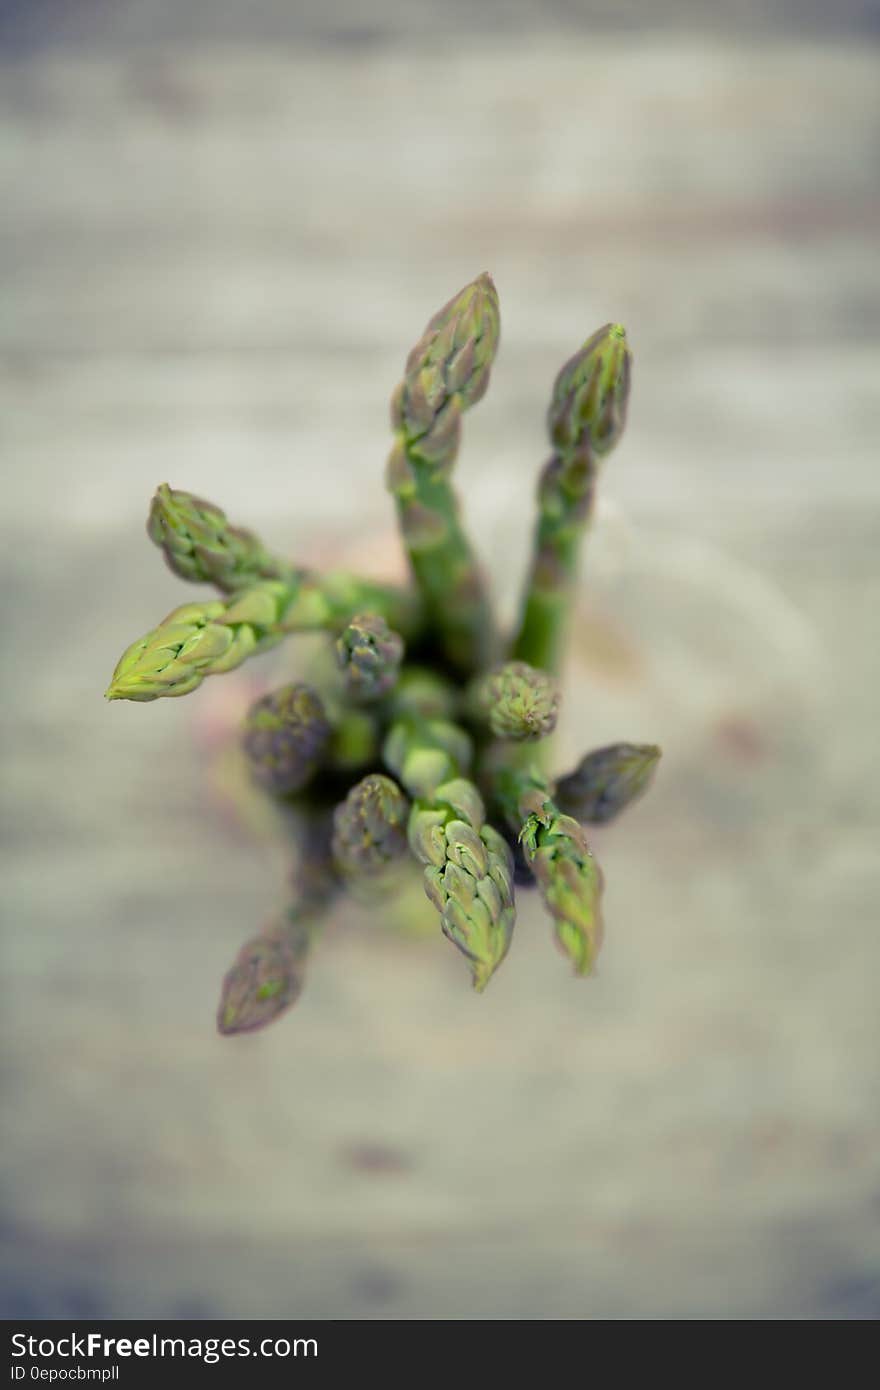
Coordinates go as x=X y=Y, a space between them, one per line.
x=213 y=260
x=35 y=25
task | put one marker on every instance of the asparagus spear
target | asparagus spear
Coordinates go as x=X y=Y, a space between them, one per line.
x=586 y=418
x=446 y=372
x=285 y=734
x=556 y=850
x=369 y=827
x=206 y=639
x=468 y=872
x=607 y=780
x=369 y=654
x=268 y=973
x=200 y=545
x=266 y=977
x=519 y=702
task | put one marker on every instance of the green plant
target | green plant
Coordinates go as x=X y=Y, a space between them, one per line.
x=422 y=685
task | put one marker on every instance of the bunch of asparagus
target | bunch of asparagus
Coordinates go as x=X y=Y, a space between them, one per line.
x=428 y=734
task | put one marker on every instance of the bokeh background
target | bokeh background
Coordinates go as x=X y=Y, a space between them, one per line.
x=221 y=228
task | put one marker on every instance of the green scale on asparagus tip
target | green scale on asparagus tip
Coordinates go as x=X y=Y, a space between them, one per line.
x=607 y=780
x=369 y=827
x=369 y=653
x=520 y=702
x=200 y=545
x=285 y=735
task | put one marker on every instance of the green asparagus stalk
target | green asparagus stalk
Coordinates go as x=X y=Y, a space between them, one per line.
x=200 y=545
x=606 y=781
x=268 y=973
x=369 y=654
x=446 y=372
x=424 y=694
x=285 y=735
x=207 y=639
x=556 y=850
x=586 y=418
x=468 y=873
x=519 y=702
x=355 y=740
x=369 y=827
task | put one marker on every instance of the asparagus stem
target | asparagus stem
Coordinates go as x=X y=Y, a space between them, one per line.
x=585 y=420
x=468 y=872
x=446 y=372
x=423 y=693
x=355 y=740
